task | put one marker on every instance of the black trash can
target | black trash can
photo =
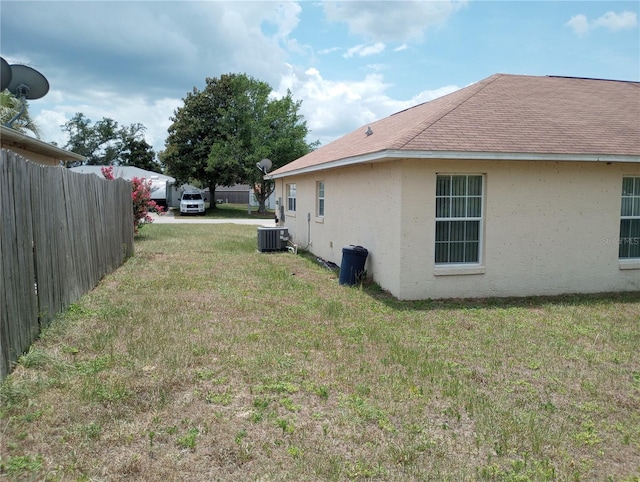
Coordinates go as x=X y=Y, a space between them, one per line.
x=352 y=266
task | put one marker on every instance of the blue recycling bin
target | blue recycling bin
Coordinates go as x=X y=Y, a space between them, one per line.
x=352 y=266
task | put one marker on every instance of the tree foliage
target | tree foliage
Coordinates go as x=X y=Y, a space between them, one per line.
x=107 y=143
x=220 y=133
x=10 y=105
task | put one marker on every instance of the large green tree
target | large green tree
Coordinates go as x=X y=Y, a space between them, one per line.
x=220 y=133
x=107 y=143
x=135 y=150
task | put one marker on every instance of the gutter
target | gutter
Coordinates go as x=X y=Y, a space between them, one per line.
x=391 y=154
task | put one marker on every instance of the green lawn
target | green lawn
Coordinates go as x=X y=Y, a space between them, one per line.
x=201 y=359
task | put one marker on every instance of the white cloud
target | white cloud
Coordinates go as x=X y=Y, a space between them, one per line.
x=49 y=122
x=401 y=47
x=329 y=51
x=428 y=95
x=391 y=21
x=615 y=22
x=333 y=108
x=286 y=17
x=365 y=50
x=580 y=24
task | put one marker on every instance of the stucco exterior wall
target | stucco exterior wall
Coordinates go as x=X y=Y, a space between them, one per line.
x=32 y=156
x=34 y=149
x=549 y=227
x=362 y=207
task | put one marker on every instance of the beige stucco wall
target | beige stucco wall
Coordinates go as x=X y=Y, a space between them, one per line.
x=34 y=149
x=32 y=156
x=362 y=207
x=550 y=227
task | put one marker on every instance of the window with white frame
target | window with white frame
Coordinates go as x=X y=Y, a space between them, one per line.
x=458 y=218
x=291 y=197
x=320 y=197
x=630 y=219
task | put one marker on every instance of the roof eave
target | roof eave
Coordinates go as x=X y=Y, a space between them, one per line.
x=381 y=156
x=38 y=146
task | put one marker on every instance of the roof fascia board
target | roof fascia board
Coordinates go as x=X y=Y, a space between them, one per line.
x=459 y=155
x=38 y=146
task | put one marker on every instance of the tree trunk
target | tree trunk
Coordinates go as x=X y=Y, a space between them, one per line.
x=212 y=197
x=262 y=193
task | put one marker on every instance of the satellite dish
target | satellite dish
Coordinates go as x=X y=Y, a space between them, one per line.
x=5 y=74
x=264 y=165
x=27 y=83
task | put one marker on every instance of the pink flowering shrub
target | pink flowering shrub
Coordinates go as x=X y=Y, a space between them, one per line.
x=141 y=197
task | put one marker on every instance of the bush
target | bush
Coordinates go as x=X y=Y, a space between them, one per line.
x=141 y=197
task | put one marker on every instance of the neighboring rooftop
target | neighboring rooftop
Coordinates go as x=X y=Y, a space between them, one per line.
x=502 y=114
x=125 y=172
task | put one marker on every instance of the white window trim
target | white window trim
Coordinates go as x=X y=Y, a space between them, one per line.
x=628 y=263
x=295 y=198
x=320 y=217
x=448 y=269
x=457 y=269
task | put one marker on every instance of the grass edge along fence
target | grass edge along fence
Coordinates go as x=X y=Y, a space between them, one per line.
x=60 y=233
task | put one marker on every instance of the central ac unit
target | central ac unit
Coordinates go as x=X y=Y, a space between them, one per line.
x=272 y=239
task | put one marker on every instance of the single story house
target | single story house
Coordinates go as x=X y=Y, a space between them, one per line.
x=34 y=149
x=513 y=186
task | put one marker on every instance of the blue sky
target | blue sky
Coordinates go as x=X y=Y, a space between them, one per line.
x=348 y=62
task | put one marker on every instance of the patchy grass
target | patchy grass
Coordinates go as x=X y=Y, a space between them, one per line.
x=202 y=359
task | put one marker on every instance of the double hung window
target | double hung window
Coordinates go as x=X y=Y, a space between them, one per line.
x=630 y=219
x=291 y=197
x=458 y=218
x=320 y=200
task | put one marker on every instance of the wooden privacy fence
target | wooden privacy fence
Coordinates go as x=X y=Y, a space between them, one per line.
x=60 y=233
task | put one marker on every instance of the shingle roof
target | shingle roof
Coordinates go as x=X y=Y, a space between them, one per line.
x=503 y=114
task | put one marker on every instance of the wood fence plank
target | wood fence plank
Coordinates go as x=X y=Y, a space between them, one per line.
x=61 y=232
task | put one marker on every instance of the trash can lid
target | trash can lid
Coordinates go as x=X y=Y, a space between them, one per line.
x=354 y=248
